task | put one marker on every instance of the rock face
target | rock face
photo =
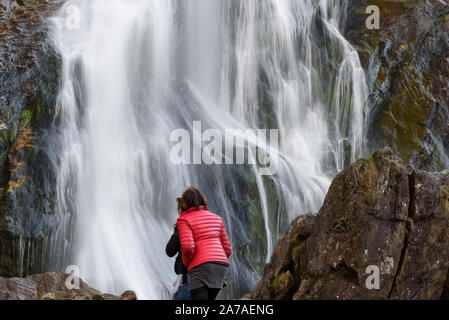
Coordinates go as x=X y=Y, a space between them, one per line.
x=279 y=280
x=29 y=78
x=406 y=62
x=48 y=286
x=377 y=214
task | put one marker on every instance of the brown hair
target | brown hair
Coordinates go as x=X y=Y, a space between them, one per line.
x=178 y=201
x=192 y=197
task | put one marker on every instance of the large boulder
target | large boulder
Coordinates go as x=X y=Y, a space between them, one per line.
x=48 y=286
x=378 y=215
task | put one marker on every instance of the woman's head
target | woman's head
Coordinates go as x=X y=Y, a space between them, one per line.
x=192 y=197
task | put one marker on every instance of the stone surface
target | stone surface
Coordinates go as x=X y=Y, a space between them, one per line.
x=29 y=77
x=406 y=62
x=278 y=279
x=378 y=212
x=48 y=286
x=425 y=253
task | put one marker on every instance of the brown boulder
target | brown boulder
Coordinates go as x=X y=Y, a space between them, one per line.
x=362 y=222
x=48 y=286
x=426 y=251
x=278 y=280
x=377 y=214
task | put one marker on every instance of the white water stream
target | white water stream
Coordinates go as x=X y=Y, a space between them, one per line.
x=135 y=70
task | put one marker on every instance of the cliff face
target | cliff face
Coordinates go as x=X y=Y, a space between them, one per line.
x=406 y=62
x=378 y=213
x=29 y=82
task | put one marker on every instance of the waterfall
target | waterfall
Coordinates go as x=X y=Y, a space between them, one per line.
x=133 y=71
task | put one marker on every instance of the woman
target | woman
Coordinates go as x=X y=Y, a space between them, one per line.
x=182 y=290
x=205 y=246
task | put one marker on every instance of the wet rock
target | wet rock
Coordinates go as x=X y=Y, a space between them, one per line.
x=48 y=286
x=377 y=214
x=278 y=281
x=29 y=74
x=406 y=62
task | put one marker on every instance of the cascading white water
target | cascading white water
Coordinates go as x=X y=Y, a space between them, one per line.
x=135 y=70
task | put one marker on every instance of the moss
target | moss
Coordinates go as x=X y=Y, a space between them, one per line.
x=282 y=285
x=410 y=102
x=27 y=3
x=25 y=118
x=38 y=110
x=404 y=121
x=403 y=67
x=445 y=190
x=296 y=249
x=7 y=263
x=279 y=280
x=365 y=169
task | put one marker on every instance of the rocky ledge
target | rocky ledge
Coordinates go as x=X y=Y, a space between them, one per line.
x=379 y=215
x=48 y=286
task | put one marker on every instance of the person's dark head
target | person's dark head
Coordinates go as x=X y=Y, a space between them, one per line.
x=192 y=197
x=128 y=295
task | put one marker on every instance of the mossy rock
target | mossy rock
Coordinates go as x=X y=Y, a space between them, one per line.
x=407 y=76
x=282 y=285
x=26 y=117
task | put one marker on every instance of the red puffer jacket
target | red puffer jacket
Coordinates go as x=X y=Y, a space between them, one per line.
x=203 y=238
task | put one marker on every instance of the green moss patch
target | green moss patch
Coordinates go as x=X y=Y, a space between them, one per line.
x=282 y=285
x=296 y=249
x=25 y=118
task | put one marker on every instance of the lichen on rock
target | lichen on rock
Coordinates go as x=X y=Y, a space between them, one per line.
x=406 y=63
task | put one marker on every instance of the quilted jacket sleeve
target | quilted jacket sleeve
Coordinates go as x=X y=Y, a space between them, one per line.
x=187 y=241
x=173 y=244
